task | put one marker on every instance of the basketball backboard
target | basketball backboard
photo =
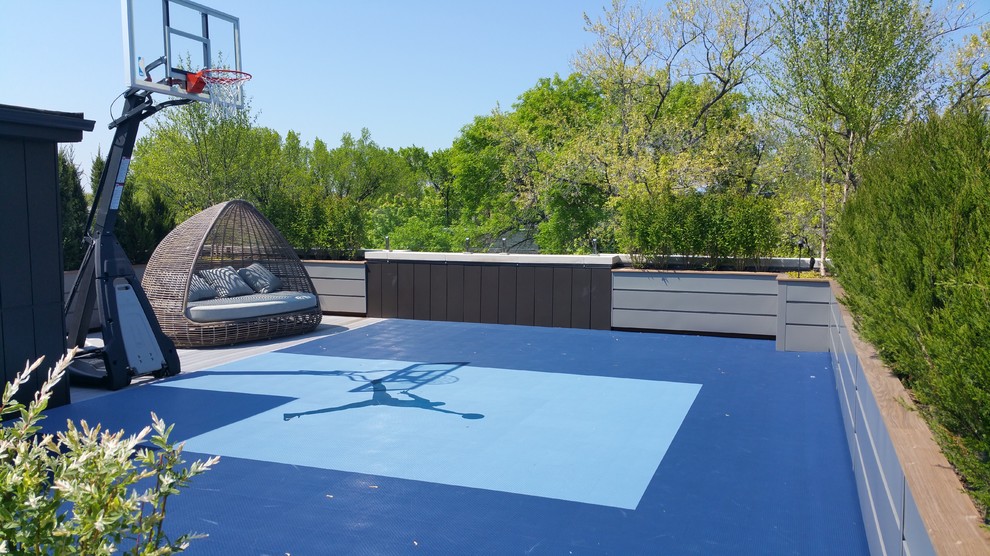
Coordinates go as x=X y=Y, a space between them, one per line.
x=165 y=41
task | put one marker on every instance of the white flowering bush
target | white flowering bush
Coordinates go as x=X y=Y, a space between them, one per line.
x=78 y=491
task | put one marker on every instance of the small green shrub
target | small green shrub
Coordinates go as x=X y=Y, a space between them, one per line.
x=77 y=491
x=714 y=228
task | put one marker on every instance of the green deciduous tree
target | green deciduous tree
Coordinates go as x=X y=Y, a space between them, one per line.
x=671 y=78
x=845 y=75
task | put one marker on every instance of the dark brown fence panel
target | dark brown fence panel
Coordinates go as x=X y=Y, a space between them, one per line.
x=534 y=294
x=390 y=290
x=601 y=298
x=525 y=298
x=507 y=295
x=543 y=308
x=472 y=293
x=406 y=290
x=581 y=298
x=562 y=297
x=438 y=292
x=489 y=294
x=375 y=290
x=455 y=292
x=422 y=291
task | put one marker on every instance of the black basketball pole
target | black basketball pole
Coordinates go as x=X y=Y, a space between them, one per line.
x=105 y=266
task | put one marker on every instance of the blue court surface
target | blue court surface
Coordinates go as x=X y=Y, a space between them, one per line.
x=452 y=438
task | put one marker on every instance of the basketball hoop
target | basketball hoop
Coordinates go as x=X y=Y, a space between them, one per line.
x=225 y=88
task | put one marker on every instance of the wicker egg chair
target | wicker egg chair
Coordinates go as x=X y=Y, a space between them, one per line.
x=233 y=234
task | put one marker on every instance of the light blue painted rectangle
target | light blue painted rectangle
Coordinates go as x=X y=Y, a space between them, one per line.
x=523 y=444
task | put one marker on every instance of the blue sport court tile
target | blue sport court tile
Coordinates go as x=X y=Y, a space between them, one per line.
x=452 y=438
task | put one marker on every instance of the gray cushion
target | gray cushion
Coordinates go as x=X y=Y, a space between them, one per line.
x=260 y=278
x=226 y=281
x=249 y=306
x=200 y=289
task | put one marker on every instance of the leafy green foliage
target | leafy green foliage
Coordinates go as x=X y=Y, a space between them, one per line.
x=142 y=222
x=74 y=209
x=83 y=491
x=713 y=227
x=911 y=252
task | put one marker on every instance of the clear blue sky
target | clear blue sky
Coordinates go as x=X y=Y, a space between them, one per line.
x=413 y=73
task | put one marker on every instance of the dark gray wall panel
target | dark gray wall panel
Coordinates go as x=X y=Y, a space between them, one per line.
x=580 y=298
x=489 y=294
x=18 y=341
x=375 y=293
x=455 y=292
x=15 y=257
x=48 y=318
x=601 y=299
x=43 y=223
x=6 y=372
x=390 y=290
x=438 y=292
x=422 y=290
x=543 y=306
x=525 y=292
x=406 y=290
x=472 y=293
x=561 y=296
x=507 y=295
x=31 y=277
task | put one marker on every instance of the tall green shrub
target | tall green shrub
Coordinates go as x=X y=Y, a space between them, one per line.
x=912 y=250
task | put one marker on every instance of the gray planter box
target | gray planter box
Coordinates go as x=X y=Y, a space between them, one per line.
x=689 y=301
x=341 y=286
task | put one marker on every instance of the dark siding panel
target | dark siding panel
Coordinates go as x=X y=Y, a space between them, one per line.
x=43 y=229
x=562 y=296
x=421 y=291
x=406 y=290
x=525 y=284
x=49 y=341
x=374 y=291
x=18 y=341
x=6 y=371
x=390 y=290
x=455 y=292
x=438 y=292
x=489 y=294
x=15 y=256
x=507 y=295
x=543 y=296
x=472 y=293
x=581 y=298
x=601 y=299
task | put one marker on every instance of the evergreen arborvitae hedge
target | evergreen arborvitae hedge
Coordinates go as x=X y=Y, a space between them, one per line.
x=912 y=250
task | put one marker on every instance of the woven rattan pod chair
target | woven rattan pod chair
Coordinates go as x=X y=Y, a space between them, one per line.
x=233 y=234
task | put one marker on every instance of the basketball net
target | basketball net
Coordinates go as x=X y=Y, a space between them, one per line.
x=225 y=90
